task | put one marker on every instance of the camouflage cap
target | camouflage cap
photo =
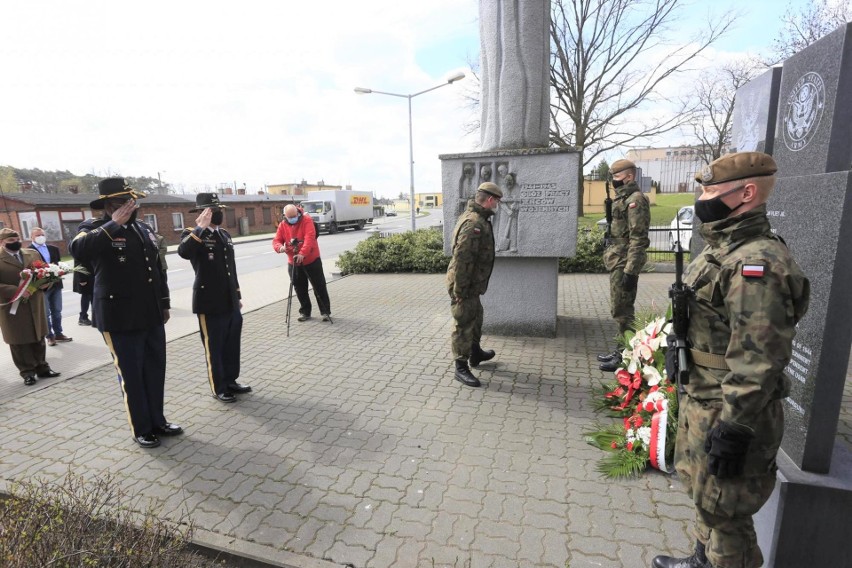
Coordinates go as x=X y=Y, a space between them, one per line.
x=619 y=166
x=739 y=165
x=492 y=189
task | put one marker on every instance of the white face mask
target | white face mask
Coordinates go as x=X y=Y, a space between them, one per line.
x=40 y=240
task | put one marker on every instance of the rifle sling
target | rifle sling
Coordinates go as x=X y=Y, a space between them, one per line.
x=709 y=360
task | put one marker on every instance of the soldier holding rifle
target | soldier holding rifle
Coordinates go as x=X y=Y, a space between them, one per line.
x=624 y=256
x=747 y=294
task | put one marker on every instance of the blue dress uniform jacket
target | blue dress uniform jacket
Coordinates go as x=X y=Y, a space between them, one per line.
x=216 y=289
x=216 y=300
x=131 y=289
x=130 y=294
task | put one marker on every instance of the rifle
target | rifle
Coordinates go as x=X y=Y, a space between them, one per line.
x=679 y=294
x=295 y=244
x=608 y=210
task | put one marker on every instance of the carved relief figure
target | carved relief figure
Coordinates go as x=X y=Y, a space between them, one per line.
x=506 y=222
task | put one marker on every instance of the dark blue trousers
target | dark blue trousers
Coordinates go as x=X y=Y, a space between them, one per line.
x=140 y=360
x=220 y=335
x=53 y=307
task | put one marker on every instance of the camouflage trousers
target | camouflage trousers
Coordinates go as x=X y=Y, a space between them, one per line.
x=724 y=507
x=468 y=326
x=620 y=301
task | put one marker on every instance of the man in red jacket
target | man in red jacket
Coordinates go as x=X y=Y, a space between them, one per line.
x=297 y=237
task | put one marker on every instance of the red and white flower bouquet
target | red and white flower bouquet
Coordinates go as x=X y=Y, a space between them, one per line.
x=35 y=276
x=645 y=401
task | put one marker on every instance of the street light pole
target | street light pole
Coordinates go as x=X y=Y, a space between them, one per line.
x=363 y=91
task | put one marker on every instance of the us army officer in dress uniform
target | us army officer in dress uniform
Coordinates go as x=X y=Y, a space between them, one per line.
x=467 y=279
x=131 y=304
x=625 y=256
x=215 y=296
x=748 y=294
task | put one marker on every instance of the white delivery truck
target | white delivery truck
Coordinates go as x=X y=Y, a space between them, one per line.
x=336 y=209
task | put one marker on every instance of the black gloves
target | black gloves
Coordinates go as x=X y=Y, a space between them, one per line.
x=726 y=447
x=629 y=281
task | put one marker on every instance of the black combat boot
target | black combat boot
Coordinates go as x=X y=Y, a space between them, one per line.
x=604 y=357
x=477 y=355
x=697 y=560
x=611 y=364
x=463 y=374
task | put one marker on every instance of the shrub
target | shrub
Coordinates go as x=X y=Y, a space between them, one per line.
x=589 y=257
x=75 y=522
x=417 y=251
x=423 y=251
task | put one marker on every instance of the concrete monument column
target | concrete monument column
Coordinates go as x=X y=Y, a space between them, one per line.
x=536 y=221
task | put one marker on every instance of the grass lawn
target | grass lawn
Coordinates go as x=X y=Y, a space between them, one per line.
x=662 y=213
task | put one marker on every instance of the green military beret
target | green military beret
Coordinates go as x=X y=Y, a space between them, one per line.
x=740 y=165
x=492 y=189
x=619 y=166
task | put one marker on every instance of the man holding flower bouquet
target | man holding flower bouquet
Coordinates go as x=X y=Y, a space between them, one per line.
x=23 y=319
x=53 y=295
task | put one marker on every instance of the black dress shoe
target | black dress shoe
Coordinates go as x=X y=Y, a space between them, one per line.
x=147 y=440
x=611 y=365
x=603 y=357
x=238 y=388
x=84 y=321
x=226 y=397
x=49 y=374
x=29 y=380
x=168 y=429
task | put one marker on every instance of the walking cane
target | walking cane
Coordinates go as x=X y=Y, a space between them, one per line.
x=295 y=244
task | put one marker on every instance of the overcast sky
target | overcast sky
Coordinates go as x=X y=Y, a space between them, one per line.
x=255 y=92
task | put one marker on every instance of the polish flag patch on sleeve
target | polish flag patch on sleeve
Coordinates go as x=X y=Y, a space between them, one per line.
x=753 y=270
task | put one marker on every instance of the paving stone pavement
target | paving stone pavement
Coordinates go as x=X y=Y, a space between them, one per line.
x=358 y=448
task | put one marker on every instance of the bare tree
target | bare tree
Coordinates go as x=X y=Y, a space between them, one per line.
x=713 y=95
x=803 y=27
x=471 y=91
x=609 y=61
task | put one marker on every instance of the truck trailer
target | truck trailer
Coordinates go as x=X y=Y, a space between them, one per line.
x=334 y=210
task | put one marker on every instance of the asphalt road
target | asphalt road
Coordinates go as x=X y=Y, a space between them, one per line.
x=258 y=255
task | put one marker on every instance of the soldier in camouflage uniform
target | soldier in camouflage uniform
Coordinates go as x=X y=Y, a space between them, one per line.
x=467 y=279
x=748 y=294
x=625 y=256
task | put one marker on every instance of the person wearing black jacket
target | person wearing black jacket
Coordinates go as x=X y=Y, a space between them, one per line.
x=53 y=295
x=131 y=304
x=215 y=296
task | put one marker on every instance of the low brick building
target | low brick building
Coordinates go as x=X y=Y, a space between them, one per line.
x=60 y=214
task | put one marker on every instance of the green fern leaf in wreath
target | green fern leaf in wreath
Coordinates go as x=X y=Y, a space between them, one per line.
x=622 y=465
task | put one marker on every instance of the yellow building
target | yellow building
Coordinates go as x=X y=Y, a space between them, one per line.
x=594 y=193
x=429 y=200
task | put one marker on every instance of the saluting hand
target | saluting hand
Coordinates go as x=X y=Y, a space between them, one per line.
x=203 y=220
x=123 y=213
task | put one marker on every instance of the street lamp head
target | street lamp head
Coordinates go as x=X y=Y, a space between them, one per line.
x=457 y=77
x=363 y=91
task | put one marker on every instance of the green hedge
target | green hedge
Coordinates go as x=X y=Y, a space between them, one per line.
x=423 y=251
x=418 y=251
x=589 y=257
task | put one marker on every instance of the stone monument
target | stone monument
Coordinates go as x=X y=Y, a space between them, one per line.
x=811 y=208
x=536 y=221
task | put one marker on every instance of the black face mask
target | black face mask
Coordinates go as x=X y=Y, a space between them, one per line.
x=616 y=183
x=14 y=247
x=709 y=210
x=216 y=218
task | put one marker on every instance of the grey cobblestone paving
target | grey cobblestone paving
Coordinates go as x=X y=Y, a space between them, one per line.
x=357 y=447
